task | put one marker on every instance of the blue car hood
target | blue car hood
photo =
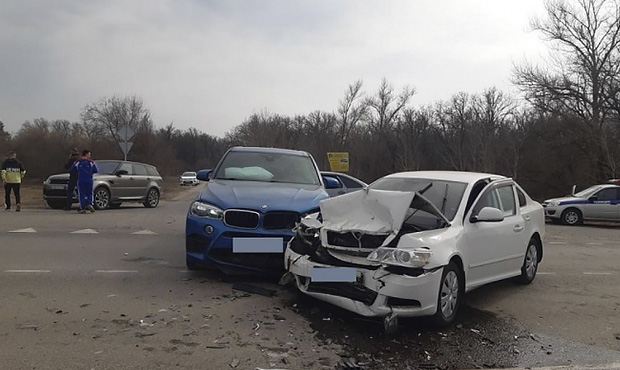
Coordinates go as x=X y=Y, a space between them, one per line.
x=256 y=195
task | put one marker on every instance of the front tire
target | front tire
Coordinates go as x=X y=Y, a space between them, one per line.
x=152 y=198
x=450 y=296
x=572 y=217
x=530 y=264
x=101 y=198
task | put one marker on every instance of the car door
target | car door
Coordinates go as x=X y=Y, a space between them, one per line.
x=141 y=179
x=123 y=185
x=601 y=205
x=494 y=249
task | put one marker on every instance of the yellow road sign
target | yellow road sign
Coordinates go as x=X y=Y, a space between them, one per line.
x=338 y=161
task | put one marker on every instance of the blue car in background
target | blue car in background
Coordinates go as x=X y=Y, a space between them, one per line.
x=243 y=219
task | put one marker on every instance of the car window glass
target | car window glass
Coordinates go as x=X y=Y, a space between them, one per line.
x=606 y=194
x=106 y=167
x=151 y=171
x=350 y=183
x=507 y=197
x=522 y=199
x=488 y=199
x=139 y=170
x=334 y=178
x=126 y=167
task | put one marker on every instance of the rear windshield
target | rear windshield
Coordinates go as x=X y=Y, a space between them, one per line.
x=189 y=174
x=445 y=195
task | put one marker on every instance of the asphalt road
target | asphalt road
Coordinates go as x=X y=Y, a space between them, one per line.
x=110 y=290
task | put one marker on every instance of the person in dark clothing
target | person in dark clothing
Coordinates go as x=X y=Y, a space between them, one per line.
x=74 y=157
x=13 y=173
x=85 y=169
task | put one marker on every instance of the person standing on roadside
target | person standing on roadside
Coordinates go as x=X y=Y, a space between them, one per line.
x=73 y=177
x=85 y=169
x=12 y=174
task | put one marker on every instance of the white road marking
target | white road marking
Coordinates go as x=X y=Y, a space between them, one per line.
x=558 y=243
x=26 y=271
x=28 y=230
x=85 y=231
x=593 y=243
x=545 y=273
x=144 y=232
x=598 y=273
x=117 y=271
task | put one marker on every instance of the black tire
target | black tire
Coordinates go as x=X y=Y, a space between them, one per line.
x=446 y=317
x=56 y=204
x=101 y=198
x=152 y=198
x=572 y=217
x=530 y=263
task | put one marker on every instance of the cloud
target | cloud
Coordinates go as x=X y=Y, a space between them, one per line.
x=210 y=64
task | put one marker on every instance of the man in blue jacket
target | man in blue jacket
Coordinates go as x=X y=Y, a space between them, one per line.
x=85 y=169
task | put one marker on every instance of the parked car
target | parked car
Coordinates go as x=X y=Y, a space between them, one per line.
x=596 y=203
x=117 y=182
x=412 y=243
x=346 y=183
x=188 y=178
x=244 y=217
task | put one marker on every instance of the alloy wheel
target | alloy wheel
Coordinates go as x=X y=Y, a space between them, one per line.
x=571 y=217
x=531 y=261
x=449 y=294
x=102 y=198
x=153 y=198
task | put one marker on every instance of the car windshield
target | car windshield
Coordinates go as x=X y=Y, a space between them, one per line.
x=445 y=195
x=106 y=167
x=268 y=167
x=189 y=174
x=587 y=192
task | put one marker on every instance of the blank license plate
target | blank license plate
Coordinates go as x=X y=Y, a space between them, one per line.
x=333 y=275
x=58 y=187
x=258 y=245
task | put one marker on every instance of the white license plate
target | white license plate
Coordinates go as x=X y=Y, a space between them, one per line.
x=258 y=245
x=333 y=275
x=58 y=187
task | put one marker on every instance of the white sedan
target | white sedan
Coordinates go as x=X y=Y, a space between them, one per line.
x=412 y=243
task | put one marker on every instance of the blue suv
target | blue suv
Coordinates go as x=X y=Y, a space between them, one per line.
x=243 y=219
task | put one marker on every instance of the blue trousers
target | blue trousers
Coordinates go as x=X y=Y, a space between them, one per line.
x=85 y=193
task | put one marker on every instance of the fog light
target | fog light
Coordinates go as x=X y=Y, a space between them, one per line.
x=209 y=229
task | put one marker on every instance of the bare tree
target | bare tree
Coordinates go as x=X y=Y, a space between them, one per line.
x=386 y=105
x=583 y=77
x=112 y=113
x=350 y=111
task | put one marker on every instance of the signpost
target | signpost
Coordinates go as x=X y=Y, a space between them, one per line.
x=125 y=135
x=338 y=161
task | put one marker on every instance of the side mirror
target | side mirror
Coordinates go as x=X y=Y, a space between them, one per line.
x=203 y=175
x=331 y=182
x=120 y=173
x=488 y=214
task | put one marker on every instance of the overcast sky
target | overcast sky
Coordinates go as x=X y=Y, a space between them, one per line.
x=210 y=64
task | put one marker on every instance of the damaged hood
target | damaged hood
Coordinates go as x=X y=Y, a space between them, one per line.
x=370 y=211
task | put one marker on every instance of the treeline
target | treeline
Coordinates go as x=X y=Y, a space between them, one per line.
x=382 y=131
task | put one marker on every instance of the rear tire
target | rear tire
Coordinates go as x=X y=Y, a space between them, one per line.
x=450 y=295
x=55 y=204
x=572 y=217
x=152 y=198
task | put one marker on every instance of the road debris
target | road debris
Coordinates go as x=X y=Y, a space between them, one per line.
x=234 y=363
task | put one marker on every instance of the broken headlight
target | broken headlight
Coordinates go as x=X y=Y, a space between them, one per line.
x=418 y=257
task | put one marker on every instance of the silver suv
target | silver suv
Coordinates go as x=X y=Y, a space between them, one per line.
x=117 y=182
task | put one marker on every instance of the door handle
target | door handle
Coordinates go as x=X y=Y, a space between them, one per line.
x=518 y=228
x=527 y=217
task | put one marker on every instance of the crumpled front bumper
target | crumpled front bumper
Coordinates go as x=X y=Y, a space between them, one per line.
x=377 y=292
